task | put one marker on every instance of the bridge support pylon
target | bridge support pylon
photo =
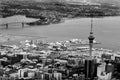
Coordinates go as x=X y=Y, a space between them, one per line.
x=6 y=26
x=22 y=24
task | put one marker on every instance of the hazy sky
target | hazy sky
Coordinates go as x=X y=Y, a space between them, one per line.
x=115 y=2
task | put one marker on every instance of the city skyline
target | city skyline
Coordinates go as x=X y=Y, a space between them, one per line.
x=59 y=40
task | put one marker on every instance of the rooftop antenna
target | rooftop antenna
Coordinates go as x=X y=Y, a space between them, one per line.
x=92 y=25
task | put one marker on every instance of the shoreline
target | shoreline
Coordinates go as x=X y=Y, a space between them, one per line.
x=18 y=39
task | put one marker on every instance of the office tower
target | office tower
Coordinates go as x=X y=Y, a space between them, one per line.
x=95 y=68
x=116 y=72
x=90 y=69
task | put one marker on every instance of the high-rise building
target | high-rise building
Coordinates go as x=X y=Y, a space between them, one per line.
x=116 y=72
x=90 y=69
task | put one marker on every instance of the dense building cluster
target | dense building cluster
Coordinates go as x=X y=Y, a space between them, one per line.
x=65 y=60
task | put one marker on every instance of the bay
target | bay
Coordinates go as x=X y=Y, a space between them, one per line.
x=106 y=30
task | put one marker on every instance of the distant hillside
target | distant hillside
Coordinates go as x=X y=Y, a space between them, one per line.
x=113 y=2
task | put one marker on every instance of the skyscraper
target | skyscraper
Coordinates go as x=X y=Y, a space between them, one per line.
x=90 y=69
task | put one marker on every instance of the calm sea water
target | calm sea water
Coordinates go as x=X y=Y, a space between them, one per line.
x=106 y=30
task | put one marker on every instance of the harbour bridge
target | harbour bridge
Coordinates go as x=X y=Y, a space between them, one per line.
x=16 y=20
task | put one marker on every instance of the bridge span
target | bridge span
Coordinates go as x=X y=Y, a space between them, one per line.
x=7 y=24
x=15 y=20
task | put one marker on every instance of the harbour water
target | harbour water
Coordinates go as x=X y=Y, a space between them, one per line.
x=106 y=30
